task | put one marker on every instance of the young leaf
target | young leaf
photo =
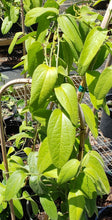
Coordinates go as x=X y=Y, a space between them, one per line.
x=61 y=137
x=67 y=97
x=32 y=162
x=44 y=157
x=86 y=185
x=76 y=203
x=68 y=171
x=33 y=203
x=92 y=44
x=35 y=56
x=6 y=25
x=69 y=27
x=15 y=183
x=18 y=209
x=14 y=13
x=104 y=83
x=43 y=81
x=34 y=14
x=91 y=79
x=90 y=119
x=49 y=207
x=14 y=42
x=94 y=164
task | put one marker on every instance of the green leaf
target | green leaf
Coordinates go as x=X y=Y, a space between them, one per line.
x=18 y=209
x=49 y=207
x=68 y=171
x=104 y=83
x=15 y=183
x=90 y=206
x=43 y=82
x=34 y=14
x=14 y=13
x=65 y=54
x=72 y=48
x=86 y=184
x=94 y=166
x=90 y=119
x=26 y=36
x=51 y=3
x=33 y=203
x=100 y=57
x=14 y=42
x=61 y=137
x=32 y=162
x=35 y=56
x=66 y=95
x=11 y=150
x=36 y=3
x=76 y=204
x=69 y=27
x=19 y=136
x=44 y=157
x=2 y=192
x=91 y=79
x=6 y=25
x=37 y=185
x=42 y=29
x=27 y=150
x=92 y=44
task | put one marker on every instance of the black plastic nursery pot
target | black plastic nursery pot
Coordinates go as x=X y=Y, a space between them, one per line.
x=106 y=120
x=105 y=213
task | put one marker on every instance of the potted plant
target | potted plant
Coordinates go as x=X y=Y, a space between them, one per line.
x=66 y=175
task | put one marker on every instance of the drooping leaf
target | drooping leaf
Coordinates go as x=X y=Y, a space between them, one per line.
x=91 y=79
x=2 y=192
x=66 y=95
x=42 y=29
x=90 y=206
x=94 y=166
x=33 y=203
x=19 y=136
x=76 y=203
x=43 y=81
x=104 y=83
x=32 y=162
x=14 y=183
x=6 y=25
x=14 y=42
x=44 y=157
x=49 y=207
x=92 y=44
x=68 y=171
x=18 y=209
x=90 y=119
x=86 y=185
x=27 y=150
x=69 y=27
x=35 y=13
x=72 y=48
x=61 y=137
x=35 y=56
x=100 y=57
x=14 y=13
x=65 y=54
x=37 y=185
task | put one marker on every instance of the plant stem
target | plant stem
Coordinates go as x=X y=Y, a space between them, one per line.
x=24 y=52
x=82 y=134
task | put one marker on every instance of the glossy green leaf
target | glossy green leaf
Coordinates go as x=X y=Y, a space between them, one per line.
x=6 y=25
x=43 y=82
x=95 y=168
x=14 y=13
x=35 y=13
x=90 y=119
x=69 y=27
x=91 y=79
x=33 y=203
x=66 y=95
x=104 y=83
x=32 y=162
x=61 y=137
x=35 y=56
x=49 y=207
x=44 y=157
x=15 y=183
x=92 y=44
x=18 y=209
x=68 y=171
x=76 y=203
x=18 y=34
x=86 y=185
